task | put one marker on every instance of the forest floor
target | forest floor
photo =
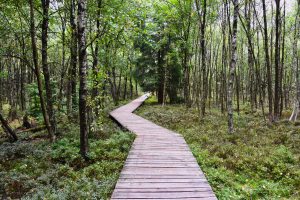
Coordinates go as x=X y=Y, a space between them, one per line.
x=33 y=168
x=258 y=161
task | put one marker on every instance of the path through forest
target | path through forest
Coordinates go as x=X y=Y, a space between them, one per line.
x=160 y=164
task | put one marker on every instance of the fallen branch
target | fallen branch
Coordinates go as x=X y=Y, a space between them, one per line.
x=35 y=129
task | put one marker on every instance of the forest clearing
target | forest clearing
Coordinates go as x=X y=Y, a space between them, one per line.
x=149 y=99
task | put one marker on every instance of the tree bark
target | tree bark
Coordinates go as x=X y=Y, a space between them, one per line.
x=268 y=65
x=37 y=69
x=232 y=66
x=83 y=78
x=8 y=129
x=295 y=67
x=73 y=62
x=49 y=100
x=203 y=57
x=277 y=63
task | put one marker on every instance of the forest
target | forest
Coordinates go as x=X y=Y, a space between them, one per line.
x=224 y=74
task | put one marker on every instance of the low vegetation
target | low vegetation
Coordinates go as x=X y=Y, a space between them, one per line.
x=33 y=168
x=259 y=161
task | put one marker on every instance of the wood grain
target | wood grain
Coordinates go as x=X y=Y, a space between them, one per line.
x=160 y=164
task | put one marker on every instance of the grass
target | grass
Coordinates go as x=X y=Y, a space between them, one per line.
x=258 y=161
x=32 y=168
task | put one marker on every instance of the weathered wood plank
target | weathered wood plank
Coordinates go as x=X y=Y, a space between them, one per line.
x=160 y=164
x=152 y=195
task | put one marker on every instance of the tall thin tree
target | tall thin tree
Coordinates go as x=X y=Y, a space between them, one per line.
x=37 y=69
x=267 y=61
x=83 y=78
x=46 y=72
x=232 y=66
x=277 y=63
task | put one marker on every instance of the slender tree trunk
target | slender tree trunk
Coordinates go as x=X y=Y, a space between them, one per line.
x=268 y=65
x=136 y=88
x=37 y=69
x=232 y=66
x=130 y=82
x=282 y=71
x=295 y=67
x=161 y=73
x=63 y=63
x=49 y=100
x=95 y=89
x=203 y=58
x=74 y=51
x=125 y=88
x=277 y=63
x=83 y=78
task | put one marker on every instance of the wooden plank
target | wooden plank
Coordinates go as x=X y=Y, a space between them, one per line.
x=161 y=190
x=202 y=198
x=161 y=180
x=164 y=195
x=160 y=164
x=161 y=185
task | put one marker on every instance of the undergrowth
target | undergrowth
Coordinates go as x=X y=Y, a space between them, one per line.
x=33 y=168
x=258 y=161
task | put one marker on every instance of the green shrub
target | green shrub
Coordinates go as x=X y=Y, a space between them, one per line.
x=259 y=161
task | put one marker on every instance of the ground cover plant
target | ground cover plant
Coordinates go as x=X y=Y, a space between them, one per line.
x=33 y=168
x=259 y=161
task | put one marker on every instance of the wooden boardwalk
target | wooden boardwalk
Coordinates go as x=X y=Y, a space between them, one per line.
x=160 y=164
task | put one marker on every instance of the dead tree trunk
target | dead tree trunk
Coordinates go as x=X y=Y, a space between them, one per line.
x=8 y=129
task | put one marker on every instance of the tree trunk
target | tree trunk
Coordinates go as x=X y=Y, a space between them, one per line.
x=49 y=100
x=277 y=63
x=130 y=82
x=125 y=88
x=268 y=65
x=83 y=78
x=63 y=63
x=232 y=66
x=8 y=129
x=37 y=69
x=95 y=89
x=203 y=57
x=74 y=51
x=295 y=67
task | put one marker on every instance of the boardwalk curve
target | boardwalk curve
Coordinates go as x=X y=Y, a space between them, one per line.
x=160 y=164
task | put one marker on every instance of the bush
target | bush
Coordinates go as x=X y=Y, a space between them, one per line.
x=39 y=170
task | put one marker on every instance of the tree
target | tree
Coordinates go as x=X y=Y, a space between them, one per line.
x=83 y=78
x=72 y=102
x=295 y=66
x=37 y=70
x=203 y=60
x=267 y=61
x=49 y=99
x=232 y=66
x=277 y=63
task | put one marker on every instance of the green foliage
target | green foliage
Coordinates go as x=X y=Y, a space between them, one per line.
x=35 y=107
x=259 y=161
x=37 y=170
